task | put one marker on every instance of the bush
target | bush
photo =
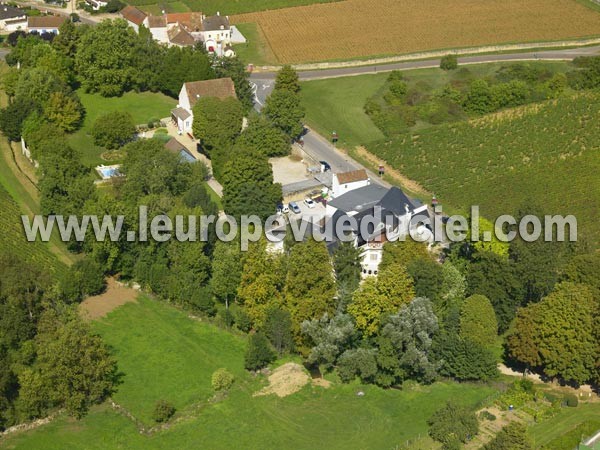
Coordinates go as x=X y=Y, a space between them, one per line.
x=486 y=415
x=224 y=317
x=163 y=411
x=571 y=400
x=113 y=130
x=449 y=62
x=221 y=380
x=241 y=318
x=259 y=353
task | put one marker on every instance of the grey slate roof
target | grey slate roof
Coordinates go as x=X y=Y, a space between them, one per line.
x=359 y=199
x=10 y=12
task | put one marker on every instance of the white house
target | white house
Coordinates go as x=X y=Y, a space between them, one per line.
x=379 y=215
x=45 y=24
x=348 y=181
x=97 y=4
x=191 y=92
x=11 y=18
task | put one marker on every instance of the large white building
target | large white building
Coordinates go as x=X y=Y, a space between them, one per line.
x=11 y=18
x=183 y=29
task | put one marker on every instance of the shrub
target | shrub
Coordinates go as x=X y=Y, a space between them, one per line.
x=163 y=411
x=224 y=317
x=571 y=400
x=486 y=415
x=259 y=353
x=449 y=62
x=241 y=318
x=221 y=380
x=113 y=130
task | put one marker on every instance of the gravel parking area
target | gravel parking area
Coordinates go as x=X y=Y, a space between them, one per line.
x=288 y=170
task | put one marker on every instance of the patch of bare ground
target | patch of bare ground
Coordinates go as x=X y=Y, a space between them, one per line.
x=116 y=294
x=404 y=181
x=286 y=380
x=321 y=382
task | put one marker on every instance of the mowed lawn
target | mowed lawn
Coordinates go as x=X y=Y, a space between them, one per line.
x=566 y=420
x=338 y=105
x=142 y=106
x=165 y=355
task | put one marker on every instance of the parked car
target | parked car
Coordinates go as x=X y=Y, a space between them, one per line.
x=326 y=166
x=285 y=209
x=309 y=202
x=294 y=207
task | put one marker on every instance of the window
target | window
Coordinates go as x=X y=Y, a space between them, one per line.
x=373 y=256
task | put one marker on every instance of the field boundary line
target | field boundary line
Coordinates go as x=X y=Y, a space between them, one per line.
x=435 y=54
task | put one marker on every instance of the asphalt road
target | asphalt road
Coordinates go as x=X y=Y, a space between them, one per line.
x=263 y=81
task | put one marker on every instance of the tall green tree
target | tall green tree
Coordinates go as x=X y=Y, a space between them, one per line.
x=287 y=79
x=113 y=130
x=309 y=285
x=380 y=296
x=217 y=123
x=329 y=337
x=259 y=352
x=262 y=137
x=346 y=263
x=452 y=425
x=512 y=437
x=248 y=186
x=478 y=321
x=284 y=109
x=235 y=69
x=226 y=271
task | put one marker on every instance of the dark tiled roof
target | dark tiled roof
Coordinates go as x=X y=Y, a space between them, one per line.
x=359 y=199
x=179 y=36
x=352 y=177
x=396 y=201
x=220 y=88
x=214 y=23
x=45 y=21
x=10 y=12
x=134 y=15
x=180 y=113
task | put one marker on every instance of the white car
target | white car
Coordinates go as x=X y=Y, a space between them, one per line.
x=309 y=202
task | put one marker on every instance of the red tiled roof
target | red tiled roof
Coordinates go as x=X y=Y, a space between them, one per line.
x=352 y=177
x=45 y=21
x=220 y=88
x=133 y=15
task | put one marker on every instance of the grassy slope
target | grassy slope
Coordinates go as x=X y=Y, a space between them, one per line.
x=166 y=355
x=142 y=106
x=231 y=7
x=256 y=50
x=337 y=103
x=566 y=420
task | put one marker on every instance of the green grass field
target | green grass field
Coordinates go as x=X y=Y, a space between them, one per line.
x=164 y=354
x=230 y=7
x=256 y=50
x=142 y=106
x=567 y=420
x=338 y=103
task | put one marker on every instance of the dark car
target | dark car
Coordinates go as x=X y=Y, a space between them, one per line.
x=326 y=166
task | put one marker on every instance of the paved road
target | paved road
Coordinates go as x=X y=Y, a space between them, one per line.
x=263 y=81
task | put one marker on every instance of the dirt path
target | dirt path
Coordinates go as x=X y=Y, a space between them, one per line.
x=99 y=306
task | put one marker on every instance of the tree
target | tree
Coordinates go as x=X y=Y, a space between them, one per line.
x=284 y=110
x=178 y=65
x=584 y=269
x=453 y=424
x=287 y=79
x=105 y=58
x=463 y=359
x=248 y=186
x=479 y=97
x=410 y=334
x=512 y=437
x=235 y=69
x=478 y=321
x=379 y=296
x=83 y=278
x=113 y=130
x=222 y=380
x=217 y=122
x=357 y=362
x=402 y=252
x=64 y=110
x=259 y=353
x=329 y=337
x=346 y=263
x=226 y=271
x=494 y=277
x=67 y=40
x=13 y=116
x=278 y=328
x=428 y=278
x=309 y=285
x=558 y=334
x=73 y=368
x=449 y=62
x=262 y=137
x=454 y=286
